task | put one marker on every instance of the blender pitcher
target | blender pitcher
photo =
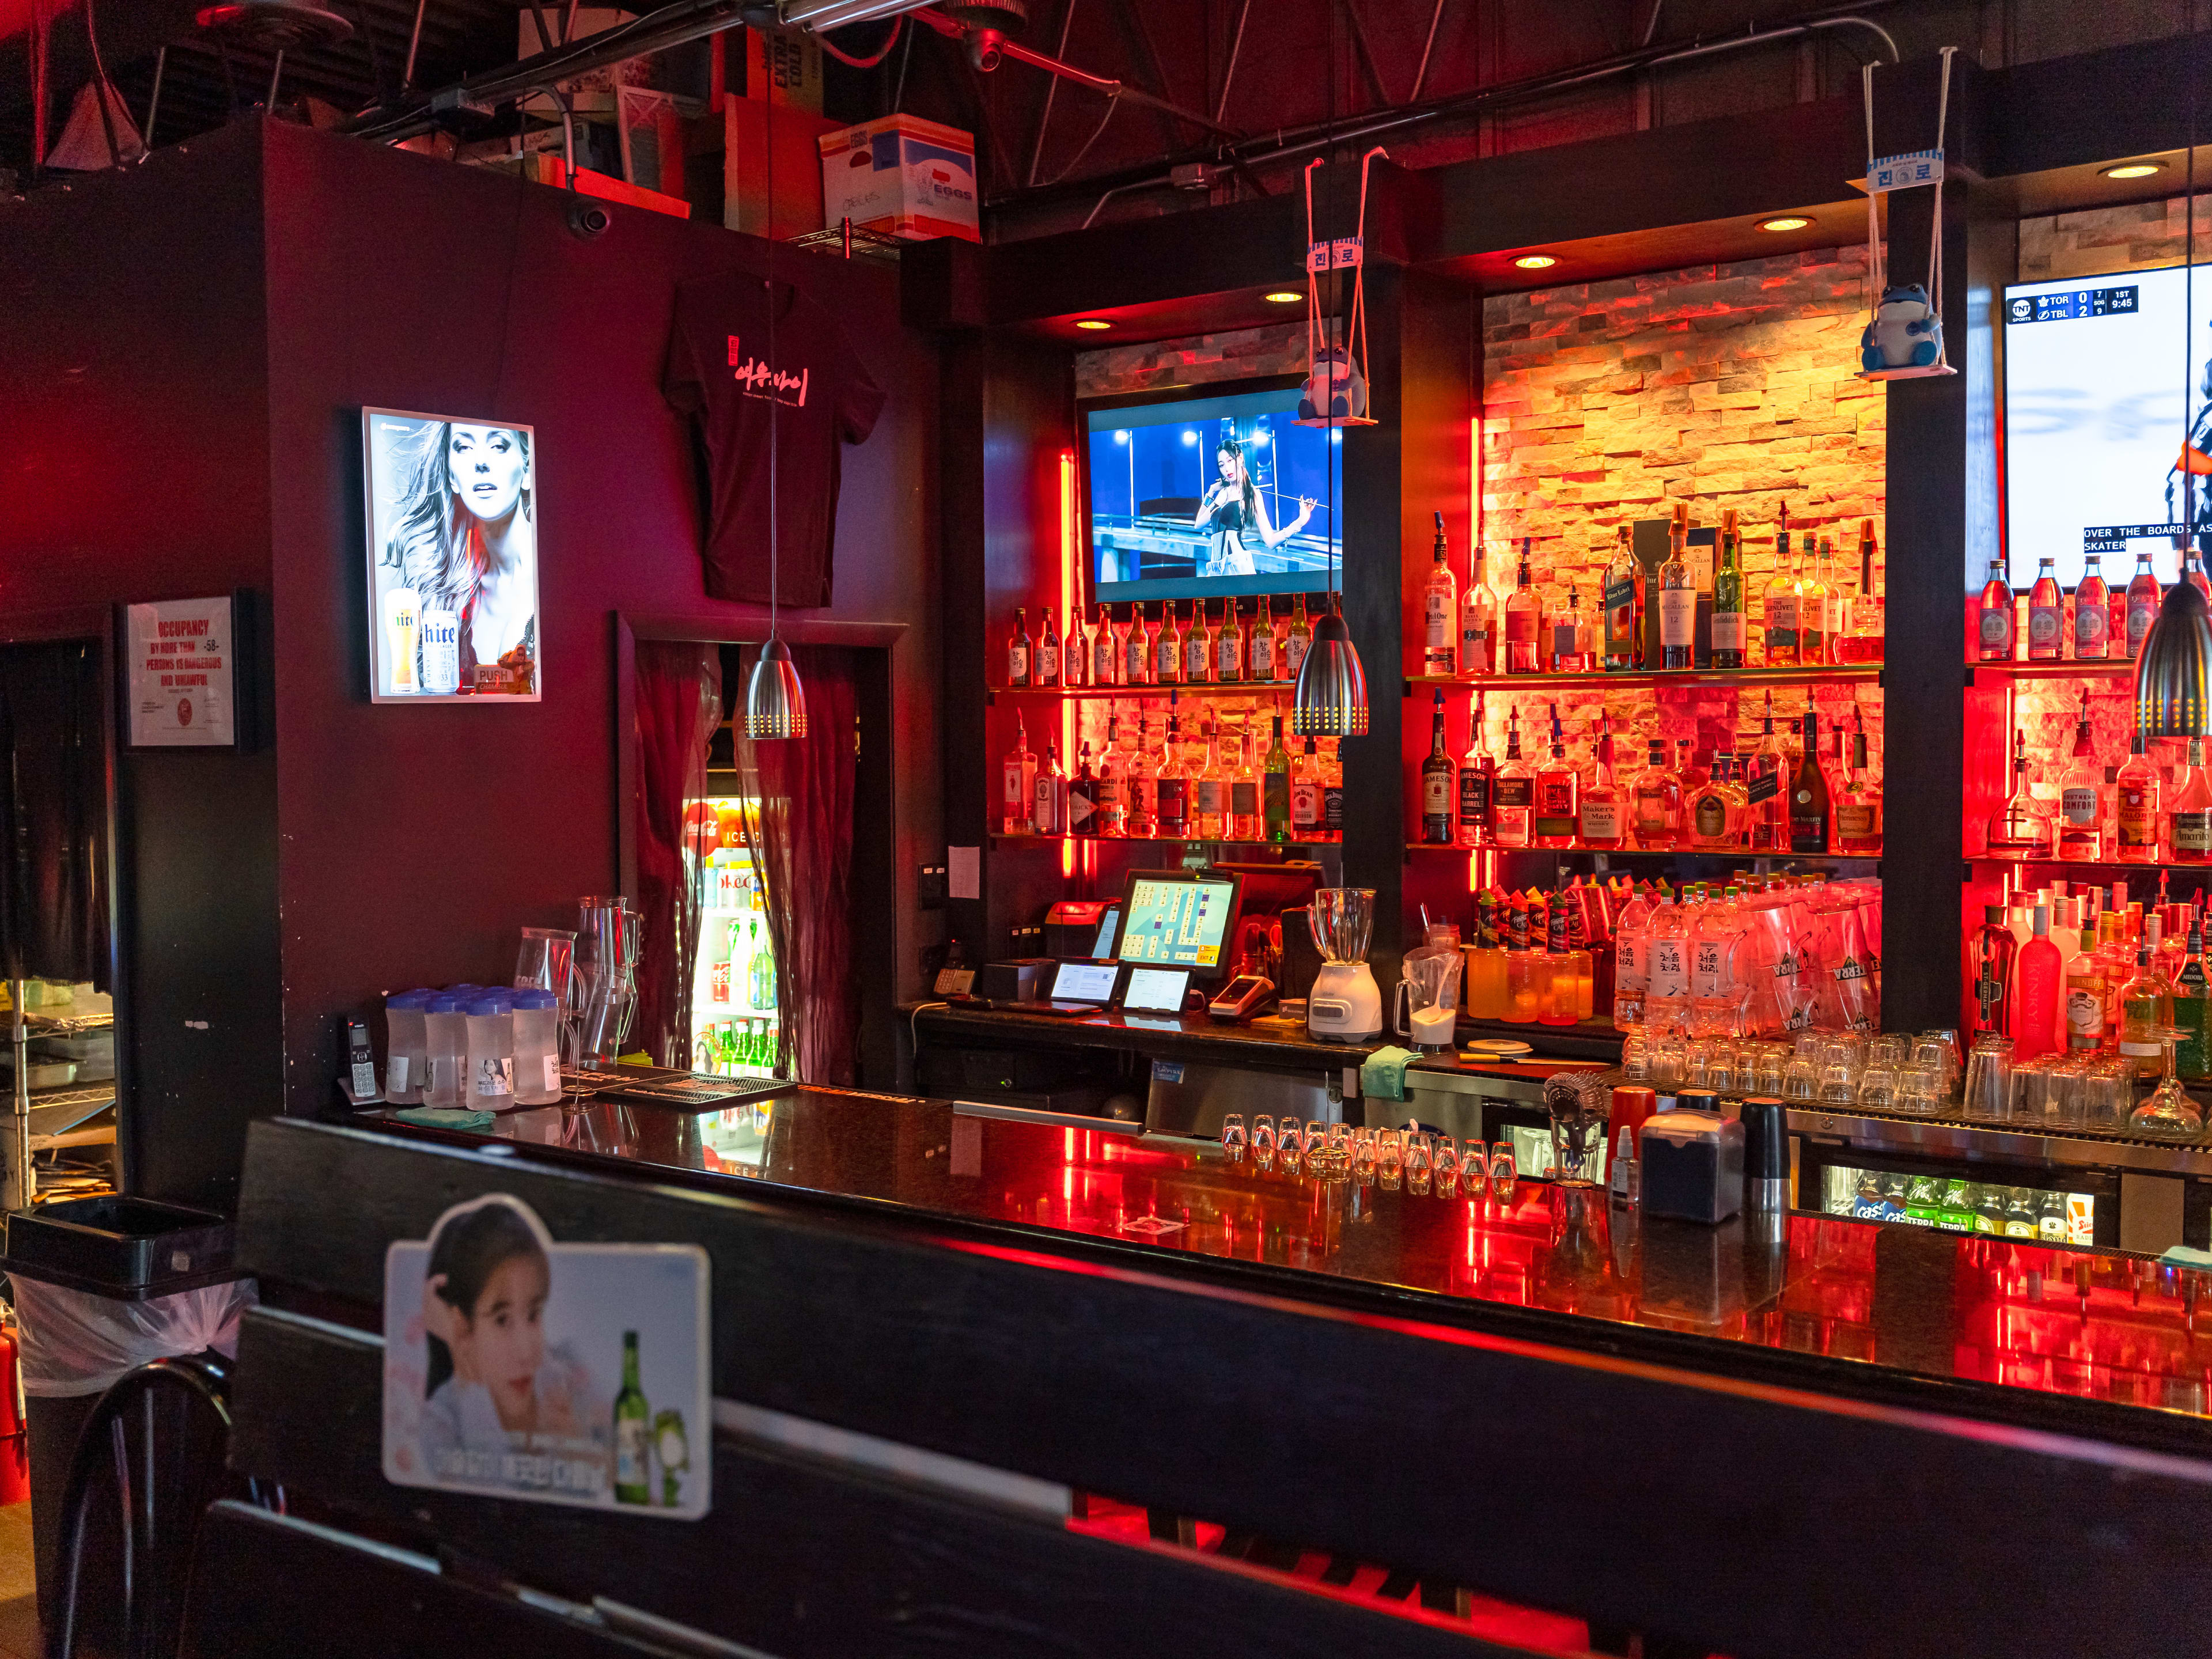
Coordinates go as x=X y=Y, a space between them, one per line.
x=1345 y=1001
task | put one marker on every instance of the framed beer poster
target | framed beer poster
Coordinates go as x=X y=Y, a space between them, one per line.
x=451 y=519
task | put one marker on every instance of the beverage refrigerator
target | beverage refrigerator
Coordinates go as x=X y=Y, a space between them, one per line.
x=733 y=1004
x=2047 y=1203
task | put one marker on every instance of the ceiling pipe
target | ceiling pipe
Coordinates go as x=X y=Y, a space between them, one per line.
x=988 y=46
x=1283 y=145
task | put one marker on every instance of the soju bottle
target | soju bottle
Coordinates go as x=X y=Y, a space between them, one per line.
x=633 y=1432
x=1275 y=793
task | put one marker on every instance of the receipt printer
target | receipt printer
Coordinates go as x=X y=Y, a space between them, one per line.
x=1072 y=928
x=1023 y=979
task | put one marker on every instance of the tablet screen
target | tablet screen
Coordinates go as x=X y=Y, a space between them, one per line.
x=1083 y=981
x=1156 y=990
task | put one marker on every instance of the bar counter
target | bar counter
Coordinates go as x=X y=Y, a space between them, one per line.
x=2083 y=1342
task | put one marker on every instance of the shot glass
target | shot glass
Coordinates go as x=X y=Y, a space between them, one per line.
x=1878 y=1088
x=1363 y=1156
x=1232 y=1137
x=1920 y=1090
x=1839 y=1075
x=1263 y=1140
x=1773 y=1060
x=1502 y=1173
x=2107 y=1095
x=1447 y=1171
x=1390 y=1158
x=1289 y=1146
x=1669 y=1065
x=1989 y=1078
x=1801 y=1078
x=1420 y=1164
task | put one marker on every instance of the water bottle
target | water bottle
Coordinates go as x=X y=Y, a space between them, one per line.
x=445 y=1047
x=406 y=1048
x=537 y=1047
x=491 y=1055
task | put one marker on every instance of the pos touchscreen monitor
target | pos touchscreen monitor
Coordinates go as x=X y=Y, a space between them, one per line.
x=1178 y=919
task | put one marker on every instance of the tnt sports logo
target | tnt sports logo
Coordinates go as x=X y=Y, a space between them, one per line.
x=184 y=711
x=2023 y=311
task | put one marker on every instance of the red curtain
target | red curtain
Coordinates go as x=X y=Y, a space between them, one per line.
x=800 y=822
x=679 y=703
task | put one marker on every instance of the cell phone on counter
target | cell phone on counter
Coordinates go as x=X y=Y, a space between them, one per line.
x=1242 y=997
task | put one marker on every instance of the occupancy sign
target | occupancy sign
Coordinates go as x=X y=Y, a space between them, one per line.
x=181 y=673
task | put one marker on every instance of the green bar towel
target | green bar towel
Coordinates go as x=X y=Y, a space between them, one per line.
x=1382 y=1073
x=444 y=1117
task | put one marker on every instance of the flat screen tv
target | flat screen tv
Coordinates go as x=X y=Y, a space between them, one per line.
x=2095 y=372
x=1206 y=492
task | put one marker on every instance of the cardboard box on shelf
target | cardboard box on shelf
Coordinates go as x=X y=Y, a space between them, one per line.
x=589 y=94
x=784 y=68
x=901 y=176
x=750 y=128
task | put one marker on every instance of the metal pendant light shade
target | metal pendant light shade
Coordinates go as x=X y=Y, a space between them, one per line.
x=775 y=702
x=2174 y=696
x=1332 y=695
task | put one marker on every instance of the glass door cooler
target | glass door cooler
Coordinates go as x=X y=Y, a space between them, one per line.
x=2047 y=1205
x=733 y=1005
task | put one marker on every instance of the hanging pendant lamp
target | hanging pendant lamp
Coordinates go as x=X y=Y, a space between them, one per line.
x=776 y=701
x=2173 y=675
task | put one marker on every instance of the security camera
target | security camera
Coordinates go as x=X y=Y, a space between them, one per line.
x=985 y=47
x=587 y=219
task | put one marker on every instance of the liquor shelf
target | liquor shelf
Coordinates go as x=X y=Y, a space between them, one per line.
x=1002 y=835
x=2110 y=669
x=1669 y=852
x=1646 y=679
x=1196 y=689
x=2200 y=868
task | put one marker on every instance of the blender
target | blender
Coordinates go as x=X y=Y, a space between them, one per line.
x=1345 y=1002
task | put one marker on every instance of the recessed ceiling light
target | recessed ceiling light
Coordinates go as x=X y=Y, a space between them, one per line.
x=1093 y=322
x=1535 y=262
x=2134 y=169
x=1283 y=297
x=1787 y=221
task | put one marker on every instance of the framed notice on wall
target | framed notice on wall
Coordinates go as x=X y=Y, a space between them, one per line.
x=452 y=560
x=182 y=670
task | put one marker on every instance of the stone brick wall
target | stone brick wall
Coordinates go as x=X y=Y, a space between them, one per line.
x=1724 y=386
x=1238 y=355
x=2143 y=236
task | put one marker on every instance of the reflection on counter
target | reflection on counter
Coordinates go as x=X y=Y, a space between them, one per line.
x=1982 y=1308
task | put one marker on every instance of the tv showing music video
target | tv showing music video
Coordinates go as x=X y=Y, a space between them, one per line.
x=1204 y=493
x=2098 y=447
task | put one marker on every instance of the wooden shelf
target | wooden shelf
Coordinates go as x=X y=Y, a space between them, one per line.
x=1155 y=693
x=2087 y=864
x=1668 y=853
x=1855 y=673
x=2123 y=667
x=1155 y=841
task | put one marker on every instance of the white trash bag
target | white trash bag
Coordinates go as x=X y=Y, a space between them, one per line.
x=77 y=1342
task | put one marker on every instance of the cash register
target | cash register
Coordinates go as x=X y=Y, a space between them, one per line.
x=1169 y=931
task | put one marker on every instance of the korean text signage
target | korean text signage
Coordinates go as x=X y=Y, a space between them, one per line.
x=182 y=667
x=571 y=1374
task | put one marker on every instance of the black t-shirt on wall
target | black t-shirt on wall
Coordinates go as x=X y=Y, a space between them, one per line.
x=719 y=374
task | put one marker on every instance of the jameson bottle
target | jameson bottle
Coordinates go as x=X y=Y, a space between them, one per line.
x=1437 y=775
x=633 y=1432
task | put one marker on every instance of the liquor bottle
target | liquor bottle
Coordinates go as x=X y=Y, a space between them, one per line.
x=1812 y=607
x=1522 y=607
x=1730 y=626
x=1623 y=598
x=2087 y=994
x=1808 y=795
x=1019 y=796
x=1048 y=650
x=1075 y=651
x=2188 y=819
x=1197 y=648
x=1275 y=787
x=1167 y=648
x=1170 y=787
x=1140 y=790
x=1477 y=623
x=1839 y=608
x=1513 y=798
x=2144 y=598
x=1105 y=650
x=1995 y=620
x=1243 y=788
x=2018 y=828
x=2046 y=618
x=1297 y=642
x=1994 y=950
x=1604 y=812
x=2146 y=1013
x=1229 y=646
x=1864 y=642
x=2092 y=613
x=2038 y=983
x=1656 y=802
x=1710 y=811
x=1858 y=814
x=1478 y=777
x=1332 y=791
x=1571 y=637
x=1051 y=792
x=1306 y=796
x=1767 y=805
x=1083 y=816
x=1138 y=656
x=2135 y=809
x=1209 y=785
x=1110 y=798
x=2082 y=798
x=1439 y=612
x=1782 y=602
x=1265 y=659
x=1678 y=596
x=633 y=1432
x=1438 y=779
x=1017 y=650
x=2192 y=1009
x=1557 y=789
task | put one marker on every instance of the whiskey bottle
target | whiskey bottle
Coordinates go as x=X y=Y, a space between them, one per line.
x=1477 y=775
x=1678 y=596
x=1603 y=812
x=1437 y=778
x=1623 y=598
x=1513 y=798
x=1558 y=792
x=1782 y=602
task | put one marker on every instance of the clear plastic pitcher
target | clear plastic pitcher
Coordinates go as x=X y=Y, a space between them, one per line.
x=1427 y=998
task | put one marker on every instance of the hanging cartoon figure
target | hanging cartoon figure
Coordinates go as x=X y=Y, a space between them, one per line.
x=1905 y=332
x=1334 y=387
